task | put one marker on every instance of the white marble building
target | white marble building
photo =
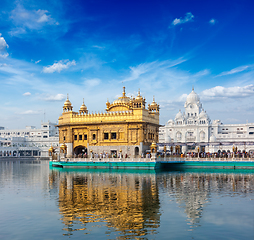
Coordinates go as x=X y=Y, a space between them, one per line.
x=29 y=142
x=192 y=130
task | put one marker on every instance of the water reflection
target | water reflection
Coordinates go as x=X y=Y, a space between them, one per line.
x=129 y=202
x=194 y=190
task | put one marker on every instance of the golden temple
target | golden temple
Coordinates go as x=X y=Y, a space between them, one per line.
x=127 y=127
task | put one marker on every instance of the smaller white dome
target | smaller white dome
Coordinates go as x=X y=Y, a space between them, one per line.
x=212 y=138
x=179 y=115
x=170 y=122
x=217 y=122
x=203 y=114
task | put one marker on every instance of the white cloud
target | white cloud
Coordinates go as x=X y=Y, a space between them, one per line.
x=98 y=47
x=152 y=68
x=29 y=112
x=202 y=73
x=182 y=98
x=24 y=19
x=92 y=82
x=43 y=17
x=137 y=71
x=213 y=21
x=27 y=94
x=3 y=44
x=236 y=70
x=5 y=55
x=231 y=92
x=37 y=61
x=3 y=47
x=59 y=66
x=188 y=17
x=57 y=97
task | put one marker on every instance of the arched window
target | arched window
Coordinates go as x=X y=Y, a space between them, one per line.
x=202 y=135
x=178 y=136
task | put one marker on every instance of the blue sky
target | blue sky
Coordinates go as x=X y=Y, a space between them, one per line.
x=91 y=49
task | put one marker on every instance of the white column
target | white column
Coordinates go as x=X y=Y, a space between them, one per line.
x=69 y=149
x=184 y=149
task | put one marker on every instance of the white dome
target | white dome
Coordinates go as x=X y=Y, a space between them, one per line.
x=170 y=122
x=212 y=138
x=179 y=115
x=192 y=98
x=203 y=114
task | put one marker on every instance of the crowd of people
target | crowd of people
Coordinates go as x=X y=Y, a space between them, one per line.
x=169 y=154
x=210 y=155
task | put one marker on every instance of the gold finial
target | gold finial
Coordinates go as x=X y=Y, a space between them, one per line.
x=139 y=92
x=83 y=101
x=68 y=96
x=153 y=98
x=123 y=91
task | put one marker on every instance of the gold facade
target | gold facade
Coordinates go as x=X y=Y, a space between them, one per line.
x=127 y=126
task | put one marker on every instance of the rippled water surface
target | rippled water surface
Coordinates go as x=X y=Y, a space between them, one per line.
x=41 y=203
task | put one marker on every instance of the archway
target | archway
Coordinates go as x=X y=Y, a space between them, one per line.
x=80 y=151
x=136 y=151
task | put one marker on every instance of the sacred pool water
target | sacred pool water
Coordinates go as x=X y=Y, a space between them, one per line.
x=37 y=202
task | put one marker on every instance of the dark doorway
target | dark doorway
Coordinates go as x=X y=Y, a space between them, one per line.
x=80 y=151
x=136 y=151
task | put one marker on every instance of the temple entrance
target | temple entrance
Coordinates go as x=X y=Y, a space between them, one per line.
x=80 y=151
x=136 y=151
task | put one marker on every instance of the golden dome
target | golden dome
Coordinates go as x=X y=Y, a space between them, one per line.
x=123 y=99
x=67 y=102
x=153 y=103
x=83 y=106
x=139 y=96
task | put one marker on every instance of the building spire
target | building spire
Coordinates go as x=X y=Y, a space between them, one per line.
x=123 y=91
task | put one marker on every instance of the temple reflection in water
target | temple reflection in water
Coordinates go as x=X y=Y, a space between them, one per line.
x=129 y=203
x=193 y=190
